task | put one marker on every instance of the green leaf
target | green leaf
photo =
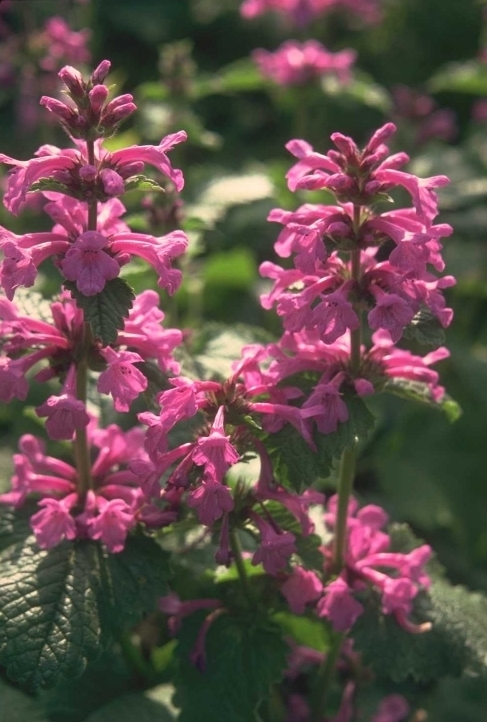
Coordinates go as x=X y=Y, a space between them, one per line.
x=310 y=631
x=243 y=659
x=457 y=643
x=419 y=391
x=362 y=88
x=18 y=707
x=425 y=329
x=151 y=706
x=106 y=310
x=14 y=524
x=296 y=466
x=142 y=183
x=466 y=77
x=59 y=607
x=240 y=76
x=49 y=184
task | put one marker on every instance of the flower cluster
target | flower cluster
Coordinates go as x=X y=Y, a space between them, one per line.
x=421 y=111
x=301 y=12
x=118 y=501
x=296 y=63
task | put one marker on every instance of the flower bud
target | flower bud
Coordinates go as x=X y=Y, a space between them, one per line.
x=100 y=73
x=73 y=80
x=98 y=96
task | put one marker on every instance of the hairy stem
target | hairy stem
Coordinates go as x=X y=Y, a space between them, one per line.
x=326 y=674
x=239 y=563
x=345 y=486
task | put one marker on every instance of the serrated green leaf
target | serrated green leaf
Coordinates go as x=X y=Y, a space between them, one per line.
x=151 y=706
x=49 y=184
x=425 y=329
x=106 y=310
x=457 y=643
x=243 y=660
x=296 y=466
x=466 y=77
x=421 y=392
x=143 y=183
x=59 y=607
x=14 y=524
x=18 y=707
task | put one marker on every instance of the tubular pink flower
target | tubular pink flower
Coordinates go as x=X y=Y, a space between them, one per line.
x=215 y=452
x=326 y=406
x=300 y=588
x=88 y=264
x=339 y=606
x=391 y=313
x=54 y=522
x=114 y=521
x=275 y=548
x=121 y=379
x=152 y=155
x=65 y=413
x=297 y=63
x=211 y=500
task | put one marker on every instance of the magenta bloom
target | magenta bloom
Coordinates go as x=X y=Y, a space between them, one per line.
x=339 y=606
x=275 y=547
x=54 y=522
x=301 y=12
x=296 y=63
x=211 y=500
x=88 y=264
x=300 y=588
x=113 y=523
x=121 y=379
x=215 y=452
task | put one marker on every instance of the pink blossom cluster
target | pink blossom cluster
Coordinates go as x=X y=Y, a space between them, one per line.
x=421 y=111
x=119 y=501
x=301 y=12
x=369 y=564
x=397 y=248
x=28 y=341
x=295 y=63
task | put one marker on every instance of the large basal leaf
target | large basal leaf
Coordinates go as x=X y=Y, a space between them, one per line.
x=421 y=392
x=457 y=643
x=296 y=466
x=243 y=660
x=107 y=310
x=15 y=706
x=59 y=607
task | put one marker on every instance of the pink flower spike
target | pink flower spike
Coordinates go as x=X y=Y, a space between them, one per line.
x=64 y=413
x=339 y=606
x=211 y=500
x=121 y=379
x=54 y=522
x=113 y=523
x=88 y=264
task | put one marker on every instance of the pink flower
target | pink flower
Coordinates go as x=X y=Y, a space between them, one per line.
x=275 y=547
x=211 y=500
x=339 y=606
x=392 y=708
x=54 y=522
x=114 y=521
x=65 y=414
x=300 y=588
x=152 y=155
x=391 y=313
x=89 y=265
x=297 y=63
x=326 y=406
x=215 y=452
x=121 y=379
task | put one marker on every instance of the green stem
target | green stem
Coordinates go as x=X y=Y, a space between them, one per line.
x=134 y=658
x=345 y=486
x=239 y=563
x=326 y=674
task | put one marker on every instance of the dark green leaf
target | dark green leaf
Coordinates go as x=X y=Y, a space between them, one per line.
x=419 y=391
x=59 y=606
x=151 y=706
x=106 y=310
x=297 y=466
x=425 y=329
x=240 y=76
x=49 y=184
x=310 y=631
x=14 y=524
x=18 y=707
x=243 y=660
x=142 y=183
x=456 y=644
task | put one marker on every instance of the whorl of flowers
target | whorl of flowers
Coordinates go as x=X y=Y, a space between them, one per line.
x=295 y=63
x=301 y=12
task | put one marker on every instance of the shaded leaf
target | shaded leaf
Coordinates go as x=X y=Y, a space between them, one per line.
x=59 y=607
x=243 y=660
x=107 y=310
x=466 y=77
x=142 y=183
x=425 y=329
x=151 y=706
x=456 y=645
x=18 y=707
